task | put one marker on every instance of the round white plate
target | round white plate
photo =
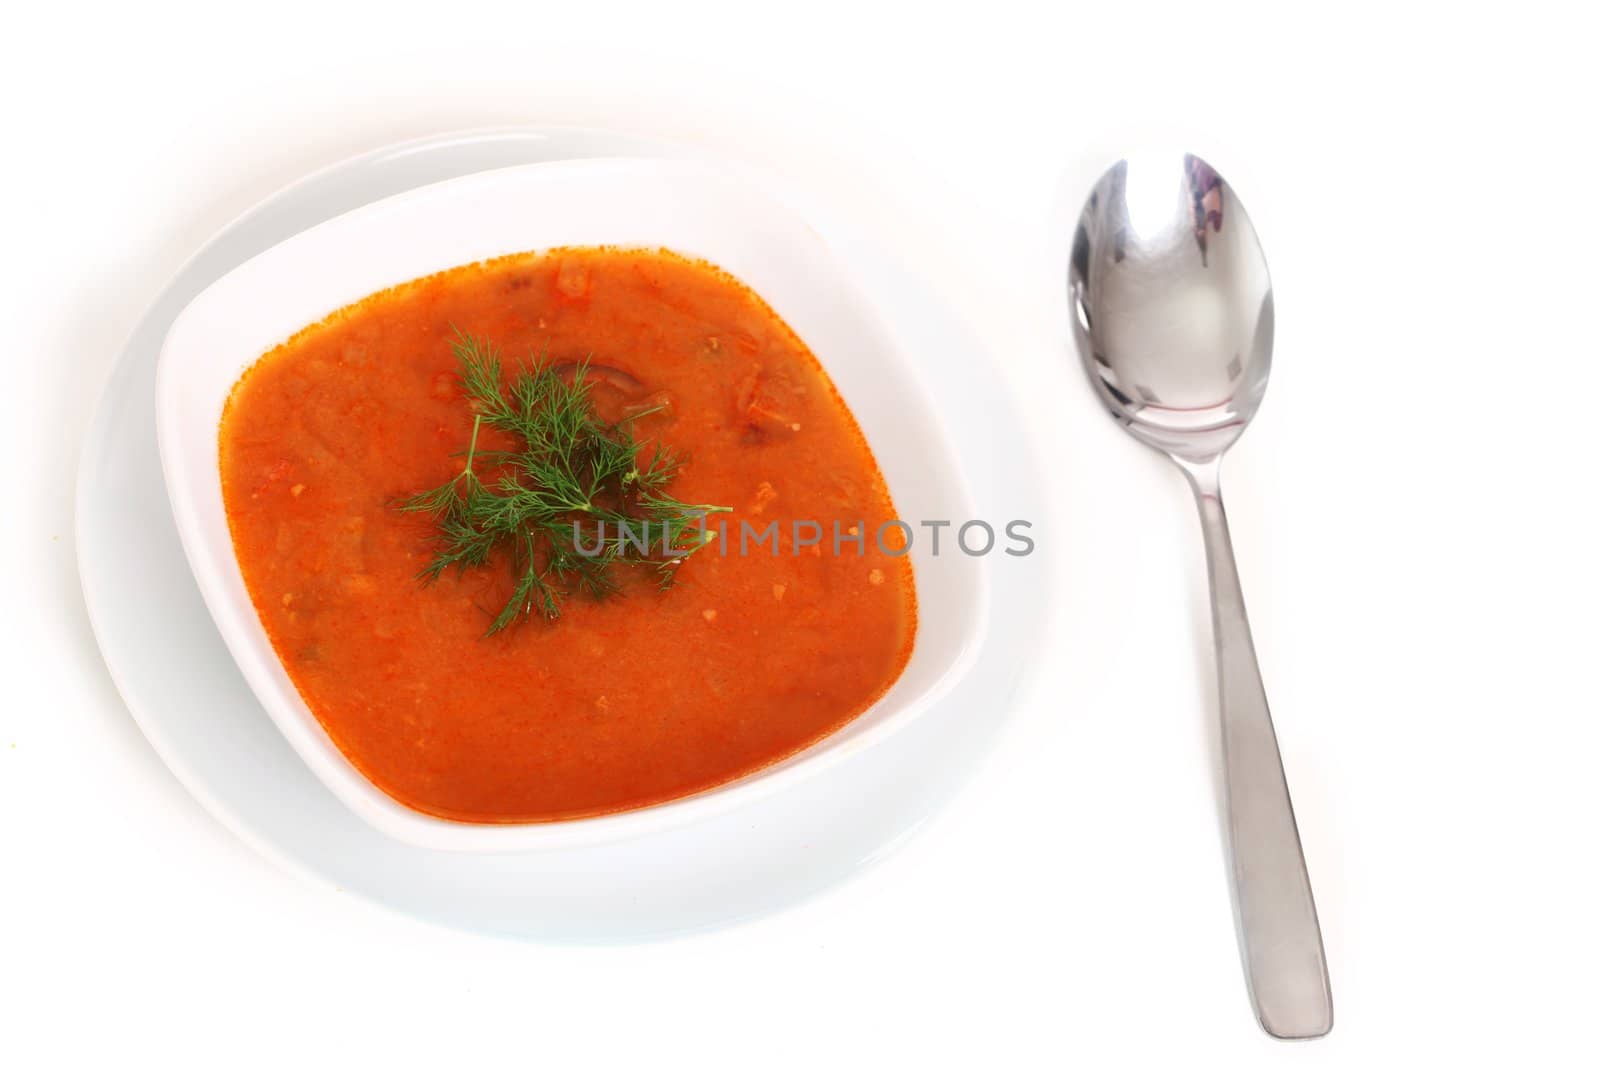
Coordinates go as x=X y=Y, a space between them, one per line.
x=189 y=699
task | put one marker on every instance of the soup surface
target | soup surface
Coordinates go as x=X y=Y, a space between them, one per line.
x=620 y=702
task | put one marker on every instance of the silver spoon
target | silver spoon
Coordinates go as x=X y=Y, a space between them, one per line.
x=1172 y=311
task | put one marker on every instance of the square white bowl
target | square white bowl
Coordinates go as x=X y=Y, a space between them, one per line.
x=688 y=207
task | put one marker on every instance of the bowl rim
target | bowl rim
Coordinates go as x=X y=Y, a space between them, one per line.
x=243 y=633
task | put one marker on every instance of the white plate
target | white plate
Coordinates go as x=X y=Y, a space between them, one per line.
x=691 y=207
x=191 y=702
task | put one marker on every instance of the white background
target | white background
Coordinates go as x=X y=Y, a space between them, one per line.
x=1413 y=514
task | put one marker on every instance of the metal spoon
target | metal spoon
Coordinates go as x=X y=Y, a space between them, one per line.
x=1172 y=311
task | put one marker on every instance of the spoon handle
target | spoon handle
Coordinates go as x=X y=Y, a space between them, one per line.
x=1280 y=938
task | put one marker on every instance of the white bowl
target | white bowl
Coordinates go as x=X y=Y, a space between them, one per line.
x=688 y=207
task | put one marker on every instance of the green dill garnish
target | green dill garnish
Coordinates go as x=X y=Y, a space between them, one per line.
x=568 y=506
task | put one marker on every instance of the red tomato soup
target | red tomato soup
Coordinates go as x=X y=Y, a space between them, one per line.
x=621 y=701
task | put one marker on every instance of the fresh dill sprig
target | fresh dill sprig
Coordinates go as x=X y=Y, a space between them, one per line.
x=568 y=506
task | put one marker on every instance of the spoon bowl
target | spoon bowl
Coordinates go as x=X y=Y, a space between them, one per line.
x=1172 y=305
